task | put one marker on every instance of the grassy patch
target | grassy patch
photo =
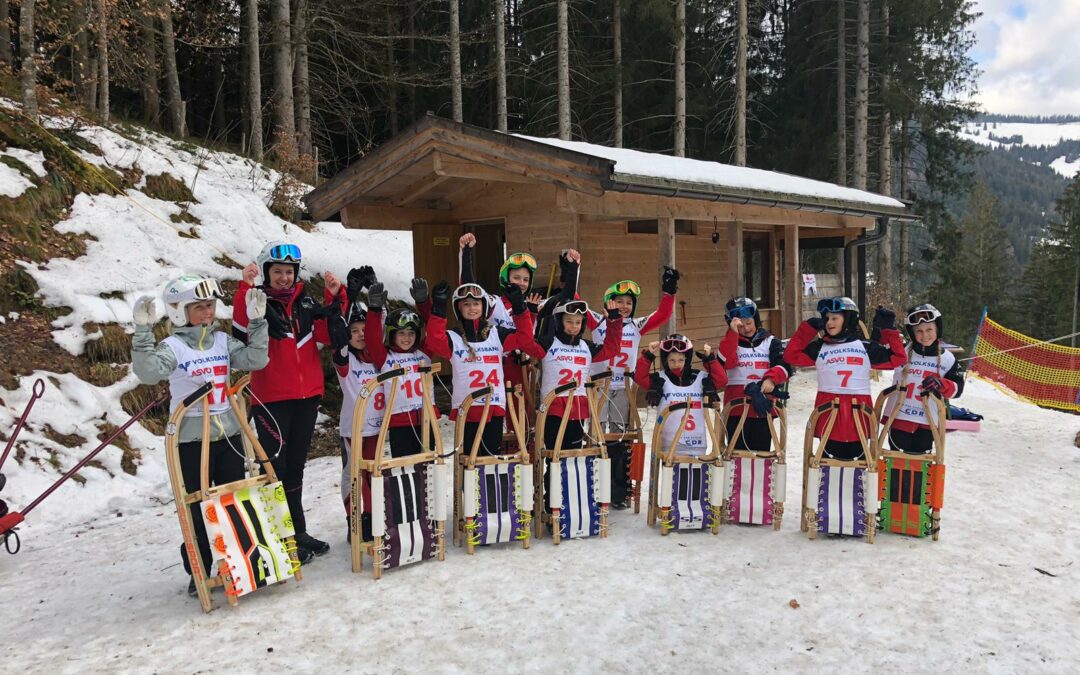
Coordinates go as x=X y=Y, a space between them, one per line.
x=141 y=396
x=129 y=460
x=185 y=216
x=167 y=187
x=114 y=345
x=19 y=166
x=66 y=440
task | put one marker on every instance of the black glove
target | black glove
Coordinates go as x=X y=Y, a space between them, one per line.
x=885 y=319
x=817 y=323
x=932 y=384
x=376 y=297
x=358 y=279
x=517 y=299
x=339 y=332
x=565 y=268
x=521 y=358
x=705 y=358
x=652 y=397
x=669 y=283
x=419 y=290
x=761 y=403
x=613 y=314
x=276 y=322
x=533 y=307
x=439 y=297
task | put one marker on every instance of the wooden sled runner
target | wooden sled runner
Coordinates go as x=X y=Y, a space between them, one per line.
x=247 y=521
x=408 y=494
x=911 y=486
x=757 y=479
x=840 y=496
x=493 y=495
x=686 y=492
x=579 y=479
x=634 y=436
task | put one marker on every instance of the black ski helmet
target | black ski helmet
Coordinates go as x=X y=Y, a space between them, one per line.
x=739 y=307
x=401 y=319
x=841 y=305
x=357 y=313
x=924 y=313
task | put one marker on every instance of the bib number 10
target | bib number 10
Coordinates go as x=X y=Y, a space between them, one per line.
x=413 y=388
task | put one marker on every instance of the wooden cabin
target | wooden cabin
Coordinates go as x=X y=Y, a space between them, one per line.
x=729 y=230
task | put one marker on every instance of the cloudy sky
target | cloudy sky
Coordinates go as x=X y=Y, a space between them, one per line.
x=1028 y=53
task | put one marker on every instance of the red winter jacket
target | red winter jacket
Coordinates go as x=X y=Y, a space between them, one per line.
x=295 y=369
x=777 y=372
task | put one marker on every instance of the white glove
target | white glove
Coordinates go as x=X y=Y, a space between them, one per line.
x=255 y=303
x=144 y=312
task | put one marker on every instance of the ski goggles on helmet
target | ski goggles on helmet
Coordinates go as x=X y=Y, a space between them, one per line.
x=521 y=260
x=742 y=312
x=406 y=321
x=836 y=305
x=922 y=314
x=206 y=289
x=284 y=253
x=624 y=287
x=469 y=291
x=676 y=343
x=573 y=307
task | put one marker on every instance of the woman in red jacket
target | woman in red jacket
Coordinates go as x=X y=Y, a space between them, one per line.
x=843 y=361
x=287 y=391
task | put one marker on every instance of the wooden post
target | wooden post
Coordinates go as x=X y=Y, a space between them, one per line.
x=792 y=299
x=735 y=259
x=666 y=250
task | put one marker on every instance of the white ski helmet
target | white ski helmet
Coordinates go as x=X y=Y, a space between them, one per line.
x=278 y=252
x=188 y=289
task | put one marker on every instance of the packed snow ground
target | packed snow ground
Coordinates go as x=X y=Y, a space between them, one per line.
x=997 y=593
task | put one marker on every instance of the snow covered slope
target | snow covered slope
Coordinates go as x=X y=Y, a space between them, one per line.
x=135 y=248
x=998 y=593
x=1032 y=134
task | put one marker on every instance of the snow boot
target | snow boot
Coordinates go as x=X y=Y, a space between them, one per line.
x=191 y=590
x=306 y=541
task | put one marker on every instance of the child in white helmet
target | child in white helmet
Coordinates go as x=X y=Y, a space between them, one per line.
x=197 y=352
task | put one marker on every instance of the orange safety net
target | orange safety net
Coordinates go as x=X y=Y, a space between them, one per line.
x=1038 y=372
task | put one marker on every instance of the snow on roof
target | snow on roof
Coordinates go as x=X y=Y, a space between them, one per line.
x=631 y=164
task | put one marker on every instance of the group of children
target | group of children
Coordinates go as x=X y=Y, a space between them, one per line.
x=278 y=330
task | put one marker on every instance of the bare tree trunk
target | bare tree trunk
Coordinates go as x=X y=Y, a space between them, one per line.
x=103 y=58
x=5 y=33
x=302 y=80
x=500 y=65
x=616 y=31
x=26 y=55
x=564 y=69
x=680 y=78
x=455 y=62
x=150 y=75
x=254 y=80
x=862 y=91
x=905 y=167
x=740 y=86
x=218 y=123
x=284 y=111
x=885 y=266
x=841 y=93
x=391 y=64
x=410 y=43
x=92 y=56
x=82 y=74
x=172 y=76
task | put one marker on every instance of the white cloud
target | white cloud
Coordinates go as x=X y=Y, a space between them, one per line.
x=1027 y=51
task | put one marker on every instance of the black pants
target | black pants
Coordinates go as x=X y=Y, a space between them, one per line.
x=916 y=442
x=406 y=441
x=846 y=450
x=285 y=429
x=490 y=441
x=572 y=438
x=619 y=454
x=755 y=434
x=226 y=465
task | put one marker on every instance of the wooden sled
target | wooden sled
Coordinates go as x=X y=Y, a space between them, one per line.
x=578 y=507
x=408 y=494
x=493 y=495
x=911 y=486
x=634 y=435
x=840 y=496
x=754 y=492
x=247 y=521
x=679 y=482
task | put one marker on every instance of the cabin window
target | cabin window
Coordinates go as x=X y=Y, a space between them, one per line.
x=652 y=226
x=758 y=267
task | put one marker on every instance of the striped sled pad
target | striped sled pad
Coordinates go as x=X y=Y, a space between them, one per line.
x=500 y=503
x=909 y=491
x=408 y=535
x=580 y=514
x=690 y=507
x=247 y=530
x=841 y=504
x=751 y=501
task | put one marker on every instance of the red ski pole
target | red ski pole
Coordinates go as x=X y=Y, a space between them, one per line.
x=11 y=520
x=38 y=391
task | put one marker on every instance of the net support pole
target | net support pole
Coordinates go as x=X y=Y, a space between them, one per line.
x=975 y=342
